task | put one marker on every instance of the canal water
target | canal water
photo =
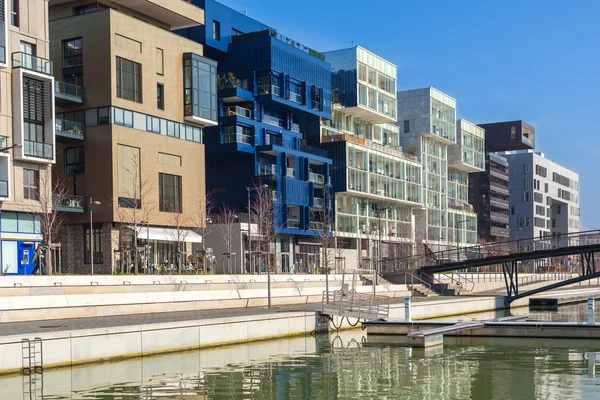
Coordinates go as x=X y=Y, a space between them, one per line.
x=343 y=366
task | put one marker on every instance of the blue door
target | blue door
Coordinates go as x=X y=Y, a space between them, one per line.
x=26 y=254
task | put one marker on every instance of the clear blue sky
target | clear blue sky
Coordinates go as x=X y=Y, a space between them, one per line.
x=536 y=60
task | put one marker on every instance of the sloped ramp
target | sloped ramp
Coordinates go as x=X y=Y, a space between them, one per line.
x=355 y=305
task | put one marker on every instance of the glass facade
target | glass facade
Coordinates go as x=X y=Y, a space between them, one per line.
x=200 y=86
x=443 y=120
x=376 y=83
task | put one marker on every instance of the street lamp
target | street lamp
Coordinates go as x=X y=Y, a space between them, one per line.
x=92 y=204
x=379 y=231
x=249 y=189
x=14 y=146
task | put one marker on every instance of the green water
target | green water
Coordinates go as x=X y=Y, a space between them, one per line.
x=344 y=366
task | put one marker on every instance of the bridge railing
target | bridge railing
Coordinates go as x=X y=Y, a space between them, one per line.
x=486 y=250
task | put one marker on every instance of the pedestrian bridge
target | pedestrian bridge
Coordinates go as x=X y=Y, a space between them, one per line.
x=574 y=253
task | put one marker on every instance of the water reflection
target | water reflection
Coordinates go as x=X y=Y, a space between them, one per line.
x=342 y=366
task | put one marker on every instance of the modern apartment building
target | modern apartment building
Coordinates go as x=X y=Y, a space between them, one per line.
x=544 y=196
x=488 y=190
x=27 y=140
x=132 y=99
x=272 y=91
x=377 y=185
x=427 y=118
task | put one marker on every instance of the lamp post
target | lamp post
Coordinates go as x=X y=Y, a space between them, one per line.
x=14 y=146
x=249 y=189
x=379 y=231
x=92 y=204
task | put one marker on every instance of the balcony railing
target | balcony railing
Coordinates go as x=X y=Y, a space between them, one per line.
x=69 y=89
x=527 y=140
x=313 y=150
x=316 y=226
x=2 y=55
x=293 y=223
x=317 y=178
x=270 y=169
x=33 y=63
x=237 y=110
x=295 y=127
x=68 y=203
x=296 y=97
x=38 y=149
x=3 y=188
x=67 y=127
x=271 y=120
x=290 y=172
x=318 y=202
x=268 y=89
x=237 y=138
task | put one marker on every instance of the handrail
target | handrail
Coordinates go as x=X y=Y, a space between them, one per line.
x=465 y=278
x=438 y=281
x=427 y=284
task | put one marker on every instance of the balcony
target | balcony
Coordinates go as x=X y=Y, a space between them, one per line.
x=316 y=226
x=295 y=127
x=32 y=63
x=269 y=169
x=293 y=223
x=237 y=110
x=68 y=203
x=527 y=140
x=70 y=129
x=318 y=202
x=38 y=149
x=268 y=89
x=66 y=93
x=290 y=172
x=237 y=134
x=296 y=98
x=271 y=120
x=316 y=178
x=499 y=217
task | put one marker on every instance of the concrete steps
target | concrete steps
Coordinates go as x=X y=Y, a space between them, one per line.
x=446 y=289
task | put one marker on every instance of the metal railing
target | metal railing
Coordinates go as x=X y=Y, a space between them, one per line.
x=316 y=226
x=33 y=63
x=69 y=89
x=237 y=138
x=290 y=172
x=68 y=202
x=268 y=89
x=314 y=177
x=237 y=110
x=271 y=120
x=412 y=282
x=318 y=202
x=38 y=149
x=527 y=140
x=70 y=127
x=459 y=277
x=293 y=223
x=270 y=169
x=295 y=127
x=434 y=279
x=355 y=305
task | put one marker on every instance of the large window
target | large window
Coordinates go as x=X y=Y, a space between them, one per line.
x=169 y=192
x=200 y=87
x=97 y=239
x=160 y=96
x=31 y=182
x=75 y=160
x=72 y=52
x=216 y=30
x=129 y=80
x=160 y=61
x=14 y=13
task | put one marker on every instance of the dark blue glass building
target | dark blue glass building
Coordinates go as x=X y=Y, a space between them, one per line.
x=272 y=93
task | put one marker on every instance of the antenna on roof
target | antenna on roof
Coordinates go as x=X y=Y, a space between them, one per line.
x=245 y=12
x=349 y=41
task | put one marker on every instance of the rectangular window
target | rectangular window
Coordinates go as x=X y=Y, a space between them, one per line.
x=160 y=62
x=103 y=116
x=513 y=133
x=129 y=80
x=152 y=124
x=14 y=13
x=123 y=117
x=97 y=239
x=172 y=129
x=160 y=96
x=75 y=160
x=296 y=93
x=72 y=52
x=317 y=101
x=406 y=126
x=169 y=192
x=216 y=30
x=31 y=180
x=526 y=196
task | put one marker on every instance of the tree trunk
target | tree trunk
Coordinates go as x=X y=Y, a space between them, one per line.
x=268 y=281
x=49 y=256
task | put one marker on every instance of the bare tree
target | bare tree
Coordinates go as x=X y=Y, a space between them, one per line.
x=134 y=204
x=51 y=194
x=202 y=216
x=324 y=222
x=226 y=218
x=262 y=210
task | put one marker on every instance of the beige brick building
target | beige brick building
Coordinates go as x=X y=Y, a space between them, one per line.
x=131 y=103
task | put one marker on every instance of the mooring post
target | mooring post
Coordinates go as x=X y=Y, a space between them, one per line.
x=591 y=309
x=407 y=309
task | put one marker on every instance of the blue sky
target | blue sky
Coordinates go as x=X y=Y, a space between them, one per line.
x=502 y=60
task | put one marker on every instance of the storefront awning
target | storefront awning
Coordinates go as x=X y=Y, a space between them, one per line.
x=167 y=234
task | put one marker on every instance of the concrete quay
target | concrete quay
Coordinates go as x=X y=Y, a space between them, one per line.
x=558 y=298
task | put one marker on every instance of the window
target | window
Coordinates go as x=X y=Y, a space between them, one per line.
x=31 y=180
x=123 y=117
x=172 y=129
x=89 y=8
x=75 y=160
x=546 y=187
x=14 y=13
x=97 y=240
x=129 y=80
x=526 y=196
x=169 y=192
x=526 y=168
x=296 y=93
x=406 y=126
x=317 y=101
x=216 y=30
x=72 y=52
x=160 y=62
x=513 y=133
x=160 y=96
x=512 y=210
x=152 y=124
x=103 y=116
x=200 y=87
